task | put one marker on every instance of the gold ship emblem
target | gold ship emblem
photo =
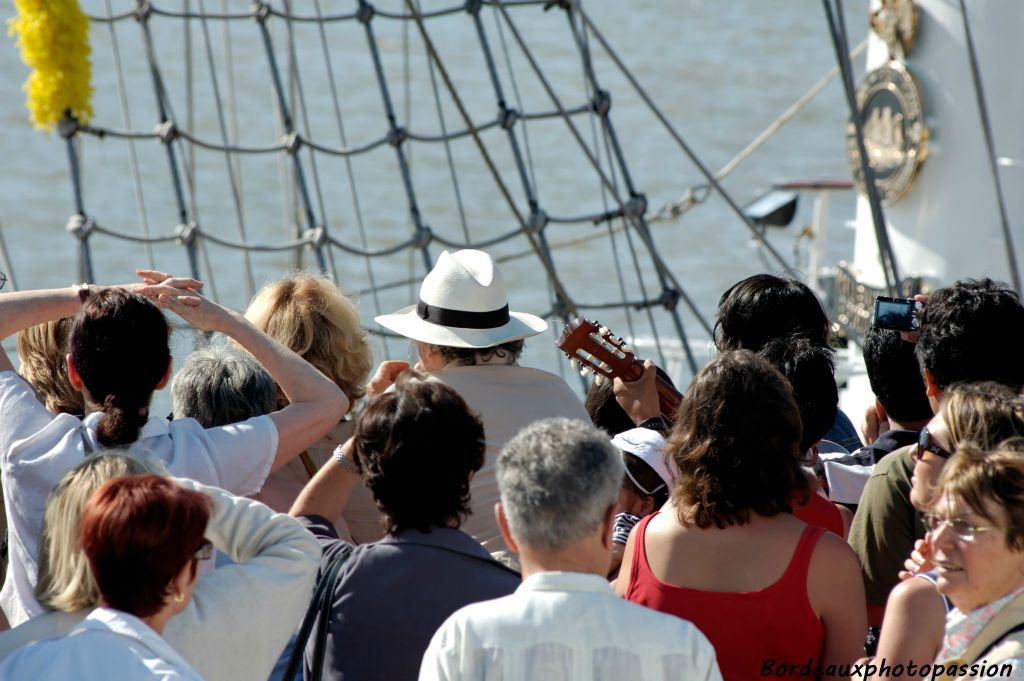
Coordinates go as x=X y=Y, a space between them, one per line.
x=896 y=23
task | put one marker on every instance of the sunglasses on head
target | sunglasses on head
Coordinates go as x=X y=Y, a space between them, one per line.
x=927 y=443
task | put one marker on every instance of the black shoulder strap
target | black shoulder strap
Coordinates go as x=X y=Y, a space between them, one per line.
x=320 y=605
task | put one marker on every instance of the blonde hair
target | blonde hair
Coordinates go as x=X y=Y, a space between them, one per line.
x=43 y=350
x=985 y=413
x=65 y=581
x=312 y=317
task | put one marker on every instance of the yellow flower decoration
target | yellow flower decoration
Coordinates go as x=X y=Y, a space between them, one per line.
x=54 y=39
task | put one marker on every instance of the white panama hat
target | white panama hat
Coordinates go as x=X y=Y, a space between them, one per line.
x=463 y=304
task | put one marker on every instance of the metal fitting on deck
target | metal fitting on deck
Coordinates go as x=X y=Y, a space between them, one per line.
x=562 y=4
x=365 y=12
x=397 y=135
x=669 y=298
x=260 y=12
x=316 y=237
x=507 y=117
x=559 y=308
x=79 y=226
x=601 y=103
x=292 y=142
x=167 y=132
x=186 y=234
x=636 y=206
x=68 y=125
x=142 y=11
x=537 y=221
x=422 y=237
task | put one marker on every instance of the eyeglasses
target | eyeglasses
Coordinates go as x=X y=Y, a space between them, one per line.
x=961 y=528
x=204 y=552
x=926 y=443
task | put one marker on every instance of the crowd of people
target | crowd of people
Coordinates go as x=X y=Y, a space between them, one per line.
x=464 y=517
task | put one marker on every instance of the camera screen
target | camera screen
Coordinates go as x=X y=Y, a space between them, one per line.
x=893 y=314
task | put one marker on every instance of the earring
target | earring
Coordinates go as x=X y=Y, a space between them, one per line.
x=179 y=597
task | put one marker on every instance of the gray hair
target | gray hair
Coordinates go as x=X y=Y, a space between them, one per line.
x=557 y=478
x=218 y=385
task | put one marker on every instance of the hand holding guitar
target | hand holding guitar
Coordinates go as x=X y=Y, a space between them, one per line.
x=638 y=389
x=639 y=398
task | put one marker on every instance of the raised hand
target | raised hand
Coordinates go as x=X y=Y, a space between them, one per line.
x=385 y=376
x=181 y=296
x=920 y=559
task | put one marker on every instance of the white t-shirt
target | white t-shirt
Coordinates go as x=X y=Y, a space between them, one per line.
x=567 y=626
x=37 y=449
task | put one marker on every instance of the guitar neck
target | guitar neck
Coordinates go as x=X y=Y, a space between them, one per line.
x=669 y=398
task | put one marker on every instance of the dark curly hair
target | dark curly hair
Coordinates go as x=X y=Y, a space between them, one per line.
x=895 y=375
x=970 y=331
x=737 y=444
x=764 y=307
x=467 y=357
x=812 y=375
x=417 y=447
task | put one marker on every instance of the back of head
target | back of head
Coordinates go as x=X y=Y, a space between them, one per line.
x=417 y=447
x=895 y=375
x=985 y=413
x=43 y=350
x=138 y=532
x=313 y=318
x=64 y=580
x=736 y=444
x=119 y=344
x=811 y=373
x=217 y=386
x=764 y=307
x=990 y=481
x=971 y=331
x=557 y=479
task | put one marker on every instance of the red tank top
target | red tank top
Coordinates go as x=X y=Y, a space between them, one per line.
x=820 y=512
x=749 y=630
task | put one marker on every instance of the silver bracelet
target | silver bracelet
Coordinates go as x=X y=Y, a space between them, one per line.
x=345 y=462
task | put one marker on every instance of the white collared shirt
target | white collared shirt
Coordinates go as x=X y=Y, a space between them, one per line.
x=562 y=626
x=108 y=644
x=38 y=448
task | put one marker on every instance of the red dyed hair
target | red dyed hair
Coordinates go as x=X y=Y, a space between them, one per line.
x=138 y=531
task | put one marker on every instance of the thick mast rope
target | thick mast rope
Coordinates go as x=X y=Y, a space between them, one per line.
x=837 y=28
x=564 y=304
x=986 y=128
x=679 y=138
x=636 y=205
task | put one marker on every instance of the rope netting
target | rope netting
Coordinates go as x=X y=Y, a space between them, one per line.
x=281 y=136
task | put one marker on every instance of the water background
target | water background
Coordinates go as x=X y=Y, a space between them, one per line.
x=721 y=70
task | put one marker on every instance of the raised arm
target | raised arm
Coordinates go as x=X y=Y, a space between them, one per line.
x=22 y=309
x=253 y=605
x=326 y=495
x=316 y=404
